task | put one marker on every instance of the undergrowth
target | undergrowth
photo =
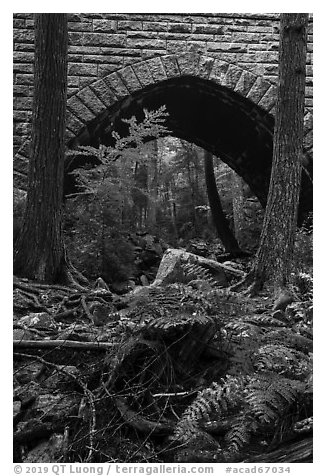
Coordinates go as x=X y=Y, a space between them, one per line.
x=193 y=376
x=252 y=390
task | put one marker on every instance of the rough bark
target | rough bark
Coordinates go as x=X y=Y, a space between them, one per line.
x=275 y=254
x=237 y=204
x=173 y=207
x=39 y=253
x=219 y=219
x=274 y=257
x=189 y=151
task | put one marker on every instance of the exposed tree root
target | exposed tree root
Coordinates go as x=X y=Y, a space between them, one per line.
x=147 y=380
x=87 y=312
x=248 y=286
x=75 y=279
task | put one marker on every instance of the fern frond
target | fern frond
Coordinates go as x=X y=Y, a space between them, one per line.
x=214 y=401
x=243 y=329
x=180 y=320
x=272 y=356
x=269 y=396
x=86 y=150
x=195 y=271
x=242 y=342
x=239 y=435
x=265 y=320
x=290 y=339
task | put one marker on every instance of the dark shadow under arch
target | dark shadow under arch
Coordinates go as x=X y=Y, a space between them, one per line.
x=209 y=115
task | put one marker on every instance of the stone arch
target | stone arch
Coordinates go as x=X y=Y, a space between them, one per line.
x=103 y=93
x=239 y=91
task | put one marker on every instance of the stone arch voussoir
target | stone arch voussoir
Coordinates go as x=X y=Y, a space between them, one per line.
x=97 y=97
x=103 y=93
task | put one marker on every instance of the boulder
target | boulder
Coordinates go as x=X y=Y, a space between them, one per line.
x=182 y=267
x=37 y=320
x=17 y=405
x=53 y=381
x=29 y=372
x=54 y=406
x=143 y=279
x=47 y=451
x=22 y=334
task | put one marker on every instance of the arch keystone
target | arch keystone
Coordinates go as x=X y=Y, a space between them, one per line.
x=219 y=71
x=188 y=64
x=205 y=66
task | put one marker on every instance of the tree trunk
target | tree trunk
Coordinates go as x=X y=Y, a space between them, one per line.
x=237 y=204
x=274 y=257
x=139 y=195
x=219 y=219
x=39 y=253
x=189 y=152
x=173 y=209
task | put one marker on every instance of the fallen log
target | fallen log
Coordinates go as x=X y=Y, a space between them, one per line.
x=50 y=344
x=298 y=452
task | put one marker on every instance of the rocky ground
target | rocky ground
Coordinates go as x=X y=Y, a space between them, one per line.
x=105 y=377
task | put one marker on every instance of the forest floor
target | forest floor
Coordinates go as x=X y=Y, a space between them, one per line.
x=150 y=376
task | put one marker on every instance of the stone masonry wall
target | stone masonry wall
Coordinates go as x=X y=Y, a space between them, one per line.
x=100 y=44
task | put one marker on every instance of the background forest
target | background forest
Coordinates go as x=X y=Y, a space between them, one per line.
x=163 y=194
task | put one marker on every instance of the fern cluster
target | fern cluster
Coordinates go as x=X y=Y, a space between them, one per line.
x=266 y=391
x=101 y=211
x=166 y=312
x=252 y=405
x=194 y=271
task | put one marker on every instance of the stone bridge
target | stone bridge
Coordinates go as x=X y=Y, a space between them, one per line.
x=216 y=74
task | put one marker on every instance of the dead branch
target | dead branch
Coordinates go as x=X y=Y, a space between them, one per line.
x=173 y=394
x=142 y=424
x=298 y=452
x=50 y=344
